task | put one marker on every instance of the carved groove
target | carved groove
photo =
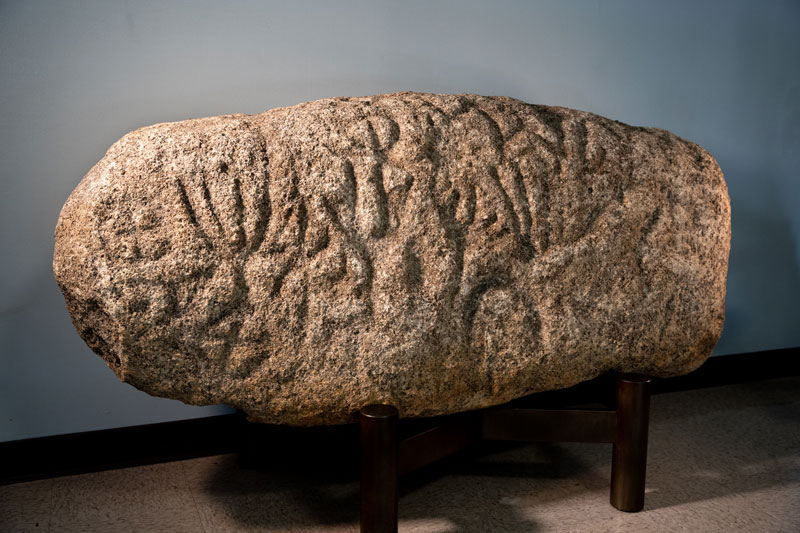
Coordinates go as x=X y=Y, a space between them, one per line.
x=263 y=211
x=210 y=205
x=241 y=237
x=190 y=212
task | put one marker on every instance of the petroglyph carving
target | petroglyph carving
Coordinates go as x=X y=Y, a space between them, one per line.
x=438 y=252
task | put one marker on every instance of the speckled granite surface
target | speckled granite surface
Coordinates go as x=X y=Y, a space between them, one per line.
x=437 y=252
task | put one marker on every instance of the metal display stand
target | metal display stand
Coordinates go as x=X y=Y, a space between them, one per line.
x=384 y=458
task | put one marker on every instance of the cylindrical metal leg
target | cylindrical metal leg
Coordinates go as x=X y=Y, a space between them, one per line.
x=379 y=469
x=629 y=460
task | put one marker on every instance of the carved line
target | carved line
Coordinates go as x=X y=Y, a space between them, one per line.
x=263 y=207
x=190 y=212
x=507 y=203
x=355 y=244
x=207 y=200
x=239 y=215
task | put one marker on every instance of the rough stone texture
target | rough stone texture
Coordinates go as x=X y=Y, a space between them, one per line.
x=437 y=252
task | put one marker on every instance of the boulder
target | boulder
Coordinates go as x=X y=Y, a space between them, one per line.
x=437 y=252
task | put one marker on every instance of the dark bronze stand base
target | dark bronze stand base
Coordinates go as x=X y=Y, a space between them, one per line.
x=384 y=458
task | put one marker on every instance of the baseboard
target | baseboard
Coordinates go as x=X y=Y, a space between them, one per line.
x=29 y=459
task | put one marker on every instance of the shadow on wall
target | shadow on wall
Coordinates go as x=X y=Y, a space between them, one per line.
x=763 y=272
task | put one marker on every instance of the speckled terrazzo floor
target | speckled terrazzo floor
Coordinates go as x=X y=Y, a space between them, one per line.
x=721 y=459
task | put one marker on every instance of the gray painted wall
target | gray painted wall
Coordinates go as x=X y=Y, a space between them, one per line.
x=74 y=77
